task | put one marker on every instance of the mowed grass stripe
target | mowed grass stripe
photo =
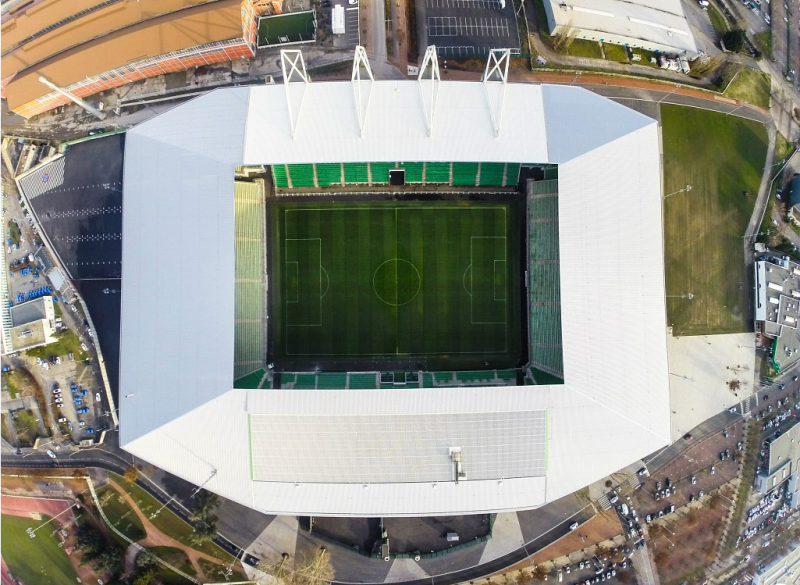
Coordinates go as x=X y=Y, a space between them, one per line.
x=722 y=157
x=395 y=279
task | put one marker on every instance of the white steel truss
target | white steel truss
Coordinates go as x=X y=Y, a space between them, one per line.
x=494 y=80
x=362 y=88
x=429 y=79
x=296 y=77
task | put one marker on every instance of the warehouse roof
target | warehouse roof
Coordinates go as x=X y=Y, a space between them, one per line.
x=655 y=21
x=180 y=411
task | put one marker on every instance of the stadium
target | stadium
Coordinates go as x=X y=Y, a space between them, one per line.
x=393 y=298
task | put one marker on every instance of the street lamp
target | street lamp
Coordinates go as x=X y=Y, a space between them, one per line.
x=685 y=189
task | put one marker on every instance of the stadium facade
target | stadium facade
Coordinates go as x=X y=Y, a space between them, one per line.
x=392 y=452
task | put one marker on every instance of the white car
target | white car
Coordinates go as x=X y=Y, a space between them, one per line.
x=84 y=347
x=62 y=420
x=51 y=454
x=58 y=360
x=573 y=526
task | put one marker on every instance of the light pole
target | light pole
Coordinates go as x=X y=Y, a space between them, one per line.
x=674 y=89
x=685 y=189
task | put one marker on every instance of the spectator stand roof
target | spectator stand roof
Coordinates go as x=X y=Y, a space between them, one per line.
x=178 y=408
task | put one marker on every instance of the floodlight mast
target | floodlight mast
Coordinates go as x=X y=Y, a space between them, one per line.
x=496 y=73
x=293 y=60
x=429 y=106
x=360 y=61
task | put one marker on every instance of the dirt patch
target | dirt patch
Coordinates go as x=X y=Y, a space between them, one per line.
x=685 y=547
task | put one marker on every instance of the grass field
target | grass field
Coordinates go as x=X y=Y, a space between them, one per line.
x=120 y=514
x=35 y=560
x=166 y=521
x=750 y=86
x=398 y=282
x=722 y=158
x=286 y=28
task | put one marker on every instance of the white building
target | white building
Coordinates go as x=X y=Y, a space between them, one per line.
x=362 y=452
x=654 y=25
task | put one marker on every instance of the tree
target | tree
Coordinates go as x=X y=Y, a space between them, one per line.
x=110 y=560
x=90 y=541
x=131 y=474
x=204 y=531
x=734 y=40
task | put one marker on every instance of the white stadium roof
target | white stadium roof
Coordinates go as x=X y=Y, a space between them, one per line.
x=317 y=451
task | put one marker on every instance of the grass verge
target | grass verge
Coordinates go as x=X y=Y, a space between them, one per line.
x=615 y=53
x=722 y=158
x=584 y=48
x=217 y=572
x=717 y=20
x=750 y=86
x=763 y=41
x=748 y=476
x=35 y=560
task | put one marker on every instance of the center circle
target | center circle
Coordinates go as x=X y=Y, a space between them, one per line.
x=396 y=282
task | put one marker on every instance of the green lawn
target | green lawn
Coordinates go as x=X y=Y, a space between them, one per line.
x=717 y=20
x=293 y=27
x=751 y=86
x=166 y=521
x=721 y=157
x=120 y=513
x=35 y=560
x=584 y=48
x=406 y=281
x=615 y=53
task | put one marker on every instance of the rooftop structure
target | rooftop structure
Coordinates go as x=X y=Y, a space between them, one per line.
x=778 y=305
x=653 y=25
x=32 y=324
x=782 y=571
x=392 y=452
x=782 y=463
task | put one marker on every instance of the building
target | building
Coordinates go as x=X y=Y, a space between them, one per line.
x=783 y=571
x=659 y=26
x=32 y=324
x=777 y=311
x=86 y=47
x=393 y=451
x=794 y=199
x=781 y=465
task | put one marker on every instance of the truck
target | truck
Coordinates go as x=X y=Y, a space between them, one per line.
x=337 y=21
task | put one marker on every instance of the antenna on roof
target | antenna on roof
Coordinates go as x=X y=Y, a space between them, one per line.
x=495 y=78
x=360 y=62
x=429 y=85
x=297 y=77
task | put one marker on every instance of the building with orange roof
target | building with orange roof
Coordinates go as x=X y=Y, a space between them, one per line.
x=88 y=46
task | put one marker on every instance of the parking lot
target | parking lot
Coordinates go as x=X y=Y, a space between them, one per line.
x=704 y=467
x=469 y=28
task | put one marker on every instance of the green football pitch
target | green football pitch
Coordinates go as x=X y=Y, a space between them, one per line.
x=429 y=284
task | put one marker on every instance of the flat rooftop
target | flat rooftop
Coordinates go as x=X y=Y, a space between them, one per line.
x=654 y=21
x=29 y=311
